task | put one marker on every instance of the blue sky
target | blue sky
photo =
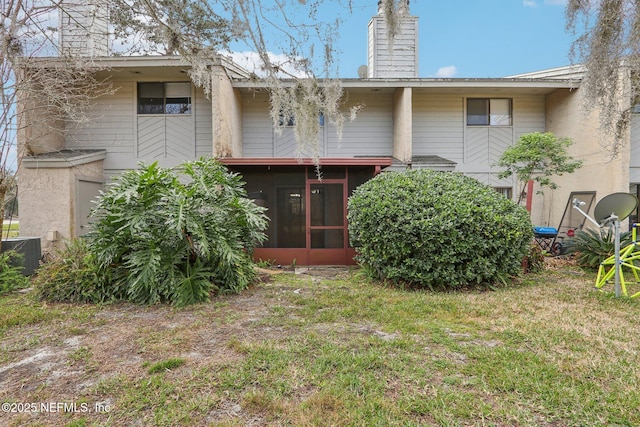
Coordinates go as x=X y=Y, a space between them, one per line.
x=465 y=38
x=471 y=38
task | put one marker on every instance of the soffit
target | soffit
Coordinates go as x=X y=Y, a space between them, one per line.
x=488 y=87
x=323 y=161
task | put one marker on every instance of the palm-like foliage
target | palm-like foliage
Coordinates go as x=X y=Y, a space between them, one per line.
x=11 y=277
x=594 y=246
x=175 y=237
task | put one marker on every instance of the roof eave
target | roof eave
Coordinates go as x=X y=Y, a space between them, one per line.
x=504 y=83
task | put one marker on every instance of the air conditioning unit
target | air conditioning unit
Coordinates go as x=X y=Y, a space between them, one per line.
x=30 y=249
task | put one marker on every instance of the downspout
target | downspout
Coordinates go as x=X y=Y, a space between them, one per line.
x=529 y=196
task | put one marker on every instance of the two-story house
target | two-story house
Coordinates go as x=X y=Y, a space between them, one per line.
x=460 y=125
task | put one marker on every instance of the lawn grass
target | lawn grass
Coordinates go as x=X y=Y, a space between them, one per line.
x=344 y=351
x=10 y=230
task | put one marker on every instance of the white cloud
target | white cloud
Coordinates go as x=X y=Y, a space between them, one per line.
x=534 y=3
x=447 y=72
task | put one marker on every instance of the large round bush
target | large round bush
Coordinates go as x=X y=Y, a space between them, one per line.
x=437 y=229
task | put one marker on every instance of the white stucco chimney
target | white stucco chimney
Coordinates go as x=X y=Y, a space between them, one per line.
x=84 y=28
x=397 y=57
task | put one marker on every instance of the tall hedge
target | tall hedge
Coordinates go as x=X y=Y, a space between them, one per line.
x=437 y=229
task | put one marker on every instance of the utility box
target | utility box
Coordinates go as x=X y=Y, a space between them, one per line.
x=30 y=249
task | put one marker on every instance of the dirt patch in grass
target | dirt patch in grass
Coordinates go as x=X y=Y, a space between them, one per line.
x=66 y=362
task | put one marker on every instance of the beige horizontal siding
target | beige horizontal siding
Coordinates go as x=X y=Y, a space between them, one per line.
x=112 y=124
x=370 y=134
x=529 y=114
x=257 y=127
x=203 y=129
x=438 y=126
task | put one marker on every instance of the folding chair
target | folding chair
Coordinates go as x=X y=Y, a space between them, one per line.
x=549 y=238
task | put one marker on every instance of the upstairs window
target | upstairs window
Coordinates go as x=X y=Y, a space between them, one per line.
x=164 y=98
x=489 y=112
x=289 y=121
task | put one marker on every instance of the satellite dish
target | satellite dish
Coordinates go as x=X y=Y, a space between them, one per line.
x=610 y=211
x=619 y=204
x=362 y=71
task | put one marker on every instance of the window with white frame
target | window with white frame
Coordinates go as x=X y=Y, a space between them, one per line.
x=489 y=112
x=505 y=191
x=164 y=98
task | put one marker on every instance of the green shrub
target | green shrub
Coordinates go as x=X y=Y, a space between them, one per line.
x=72 y=275
x=534 y=261
x=591 y=247
x=437 y=230
x=11 y=277
x=175 y=235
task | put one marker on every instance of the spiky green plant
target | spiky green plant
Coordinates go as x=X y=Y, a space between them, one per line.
x=11 y=277
x=591 y=247
x=71 y=275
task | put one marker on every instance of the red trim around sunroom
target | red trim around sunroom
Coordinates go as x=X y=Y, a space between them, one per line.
x=292 y=161
x=307 y=255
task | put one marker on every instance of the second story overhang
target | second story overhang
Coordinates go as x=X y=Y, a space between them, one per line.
x=137 y=67
x=488 y=86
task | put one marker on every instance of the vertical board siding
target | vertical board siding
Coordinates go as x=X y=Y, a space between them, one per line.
x=484 y=178
x=151 y=137
x=491 y=179
x=485 y=144
x=165 y=136
x=438 y=126
x=179 y=139
x=476 y=147
x=500 y=138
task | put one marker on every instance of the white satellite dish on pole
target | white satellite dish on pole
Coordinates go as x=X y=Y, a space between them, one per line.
x=609 y=212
